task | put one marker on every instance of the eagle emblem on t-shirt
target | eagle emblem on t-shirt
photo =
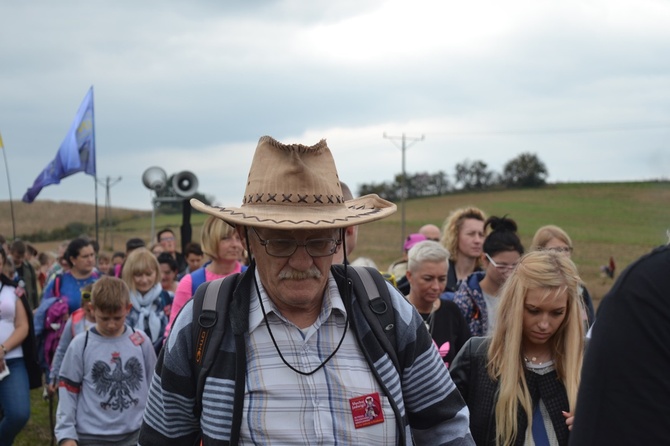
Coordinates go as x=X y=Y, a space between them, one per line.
x=119 y=384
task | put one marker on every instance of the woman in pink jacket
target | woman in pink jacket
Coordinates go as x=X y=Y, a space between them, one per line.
x=223 y=246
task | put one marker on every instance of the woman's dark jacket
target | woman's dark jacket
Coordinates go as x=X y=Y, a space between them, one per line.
x=480 y=392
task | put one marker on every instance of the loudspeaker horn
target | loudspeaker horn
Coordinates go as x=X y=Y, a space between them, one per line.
x=185 y=184
x=154 y=178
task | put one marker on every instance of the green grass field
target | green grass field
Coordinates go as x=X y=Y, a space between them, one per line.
x=623 y=220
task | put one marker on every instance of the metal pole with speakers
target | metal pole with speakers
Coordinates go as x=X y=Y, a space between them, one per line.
x=155 y=179
x=177 y=188
x=185 y=184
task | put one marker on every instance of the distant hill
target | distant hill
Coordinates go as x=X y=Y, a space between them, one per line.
x=45 y=215
x=622 y=220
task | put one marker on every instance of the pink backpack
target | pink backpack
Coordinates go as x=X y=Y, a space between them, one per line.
x=53 y=327
x=54 y=323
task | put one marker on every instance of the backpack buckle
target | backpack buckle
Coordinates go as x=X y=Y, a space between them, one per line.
x=207 y=319
x=378 y=306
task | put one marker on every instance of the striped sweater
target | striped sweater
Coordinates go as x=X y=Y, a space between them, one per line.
x=430 y=409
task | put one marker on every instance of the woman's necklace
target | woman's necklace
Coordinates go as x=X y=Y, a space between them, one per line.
x=429 y=319
x=537 y=360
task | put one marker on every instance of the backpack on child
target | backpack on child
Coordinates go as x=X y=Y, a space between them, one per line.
x=54 y=322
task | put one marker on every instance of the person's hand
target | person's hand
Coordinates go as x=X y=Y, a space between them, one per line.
x=68 y=442
x=2 y=363
x=51 y=389
x=569 y=419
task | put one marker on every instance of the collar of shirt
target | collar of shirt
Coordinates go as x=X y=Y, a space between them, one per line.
x=331 y=301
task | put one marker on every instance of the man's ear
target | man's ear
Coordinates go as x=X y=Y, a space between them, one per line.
x=241 y=232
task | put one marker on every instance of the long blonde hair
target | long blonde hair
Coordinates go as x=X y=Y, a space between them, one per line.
x=554 y=273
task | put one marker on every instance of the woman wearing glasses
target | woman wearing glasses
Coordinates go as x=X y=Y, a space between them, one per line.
x=477 y=297
x=553 y=238
x=222 y=245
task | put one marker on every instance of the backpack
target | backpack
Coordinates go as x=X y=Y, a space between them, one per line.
x=77 y=316
x=198 y=277
x=210 y=316
x=54 y=323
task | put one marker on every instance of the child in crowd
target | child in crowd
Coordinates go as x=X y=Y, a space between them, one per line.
x=104 y=263
x=78 y=322
x=142 y=274
x=104 y=377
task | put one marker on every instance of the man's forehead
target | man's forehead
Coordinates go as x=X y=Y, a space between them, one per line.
x=297 y=234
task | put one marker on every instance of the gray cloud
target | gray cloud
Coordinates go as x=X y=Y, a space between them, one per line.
x=192 y=86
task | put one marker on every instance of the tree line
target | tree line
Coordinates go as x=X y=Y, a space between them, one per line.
x=526 y=170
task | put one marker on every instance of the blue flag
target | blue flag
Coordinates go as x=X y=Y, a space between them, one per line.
x=76 y=152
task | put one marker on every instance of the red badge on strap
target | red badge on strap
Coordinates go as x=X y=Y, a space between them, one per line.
x=137 y=338
x=366 y=410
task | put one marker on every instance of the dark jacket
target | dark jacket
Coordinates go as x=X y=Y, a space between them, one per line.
x=480 y=392
x=26 y=272
x=624 y=392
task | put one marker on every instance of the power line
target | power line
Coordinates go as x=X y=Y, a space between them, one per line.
x=565 y=130
x=108 y=183
x=403 y=187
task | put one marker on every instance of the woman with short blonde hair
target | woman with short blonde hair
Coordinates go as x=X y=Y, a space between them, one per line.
x=221 y=243
x=521 y=383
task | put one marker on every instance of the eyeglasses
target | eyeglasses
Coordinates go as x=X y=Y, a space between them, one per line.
x=167 y=239
x=499 y=265
x=561 y=249
x=316 y=247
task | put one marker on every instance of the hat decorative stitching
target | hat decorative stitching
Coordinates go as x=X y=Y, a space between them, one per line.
x=292 y=186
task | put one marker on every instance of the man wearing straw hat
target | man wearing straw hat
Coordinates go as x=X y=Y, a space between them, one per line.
x=298 y=362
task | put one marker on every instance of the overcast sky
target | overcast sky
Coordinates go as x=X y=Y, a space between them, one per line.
x=584 y=84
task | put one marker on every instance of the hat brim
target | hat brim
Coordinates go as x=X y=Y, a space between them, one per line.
x=360 y=210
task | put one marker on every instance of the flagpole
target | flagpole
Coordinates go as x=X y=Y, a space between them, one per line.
x=95 y=177
x=9 y=188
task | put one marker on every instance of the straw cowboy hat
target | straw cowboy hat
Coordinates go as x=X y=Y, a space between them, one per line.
x=291 y=186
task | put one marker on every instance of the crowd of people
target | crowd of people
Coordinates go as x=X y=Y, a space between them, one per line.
x=266 y=333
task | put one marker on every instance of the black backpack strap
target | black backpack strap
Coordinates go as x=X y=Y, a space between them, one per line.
x=210 y=308
x=375 y=301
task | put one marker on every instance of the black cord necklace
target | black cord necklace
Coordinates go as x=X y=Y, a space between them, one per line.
x=267 y=323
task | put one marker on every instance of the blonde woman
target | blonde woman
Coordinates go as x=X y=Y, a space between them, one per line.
x=463 y=236
x=142 y=274
x=521 y=383
x=223 y=246
x=553 y=238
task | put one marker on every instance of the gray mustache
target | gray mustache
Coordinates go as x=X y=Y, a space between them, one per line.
x=291 y=274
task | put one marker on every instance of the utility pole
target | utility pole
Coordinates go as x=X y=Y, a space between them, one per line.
x=108 y=183
x=403 y=184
